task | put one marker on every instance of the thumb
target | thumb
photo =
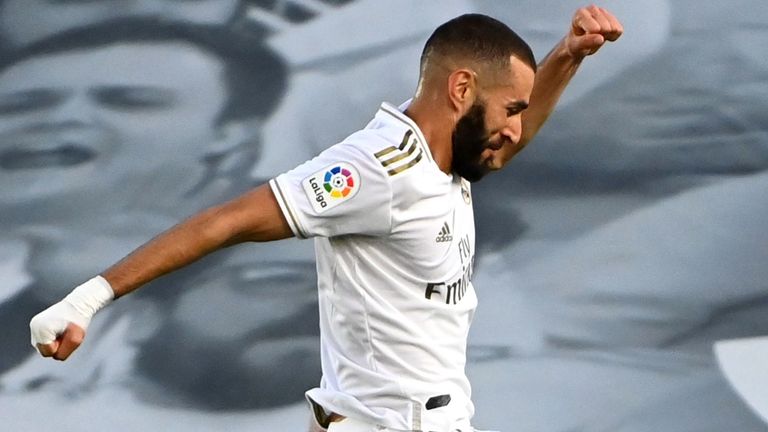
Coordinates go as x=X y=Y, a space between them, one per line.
x=48 y=349
x=586 y=44
x=590 y=41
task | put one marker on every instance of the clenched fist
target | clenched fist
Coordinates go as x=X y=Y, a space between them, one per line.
x=591 y=27
x=58 y=331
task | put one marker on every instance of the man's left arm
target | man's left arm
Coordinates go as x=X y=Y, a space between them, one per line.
x=591 y=28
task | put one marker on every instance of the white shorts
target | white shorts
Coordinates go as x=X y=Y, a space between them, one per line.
x=319 y=415
x=352 y=425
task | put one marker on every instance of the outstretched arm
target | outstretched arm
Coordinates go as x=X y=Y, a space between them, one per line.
x=254 y=216
x=590 y=28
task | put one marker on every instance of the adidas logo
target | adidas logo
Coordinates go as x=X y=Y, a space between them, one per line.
x=445 y=234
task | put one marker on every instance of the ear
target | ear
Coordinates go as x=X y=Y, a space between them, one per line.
x=462 y=89
x=233 y=134
x=237 y=142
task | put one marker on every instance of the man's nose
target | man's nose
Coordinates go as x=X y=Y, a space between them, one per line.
x=74 y=110
x=513 y=130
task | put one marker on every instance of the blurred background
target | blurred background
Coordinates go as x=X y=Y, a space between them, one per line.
x=612 y=253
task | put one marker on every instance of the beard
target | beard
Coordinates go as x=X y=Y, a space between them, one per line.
x=470 y=139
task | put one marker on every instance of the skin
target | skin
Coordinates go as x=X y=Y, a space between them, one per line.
x=444 y=96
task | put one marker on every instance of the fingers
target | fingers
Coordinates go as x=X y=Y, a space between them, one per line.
x=596 y=20
x=584 y=22
x=590 y=29
x=612 y=24
x=64 y=345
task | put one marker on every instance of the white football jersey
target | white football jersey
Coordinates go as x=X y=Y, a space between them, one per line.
x=395 y=244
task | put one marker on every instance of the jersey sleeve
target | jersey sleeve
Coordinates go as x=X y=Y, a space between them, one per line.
x=341 y=191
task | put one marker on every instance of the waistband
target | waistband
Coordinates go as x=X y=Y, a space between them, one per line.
x=333 y=422
x=322 y=417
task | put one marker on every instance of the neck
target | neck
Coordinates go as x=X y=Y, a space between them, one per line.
x=436 y=124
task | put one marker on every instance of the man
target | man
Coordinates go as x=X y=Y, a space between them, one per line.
x=392 y=212
x=172 y=113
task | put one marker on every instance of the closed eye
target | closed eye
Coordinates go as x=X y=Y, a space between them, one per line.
x=28 y=101
x=516 y=108
x=135 y=98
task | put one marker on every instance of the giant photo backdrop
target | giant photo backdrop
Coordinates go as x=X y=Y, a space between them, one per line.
x=613 y=252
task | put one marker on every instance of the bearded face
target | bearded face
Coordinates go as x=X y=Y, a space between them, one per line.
x=470 y=139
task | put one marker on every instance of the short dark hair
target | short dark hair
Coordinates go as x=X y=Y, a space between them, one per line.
x=479 y=38
x=255 y=76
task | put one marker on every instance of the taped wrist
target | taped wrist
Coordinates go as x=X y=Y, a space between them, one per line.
x=77 y=307
x=90 y=297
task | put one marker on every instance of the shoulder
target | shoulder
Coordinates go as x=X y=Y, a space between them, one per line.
x=401 y=161
x=392 y=151
x=390 y=148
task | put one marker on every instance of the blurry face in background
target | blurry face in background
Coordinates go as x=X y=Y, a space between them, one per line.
x=251 y=323
x=125 y=126
x=100 y=148
x=263 y=285
x=25 y=21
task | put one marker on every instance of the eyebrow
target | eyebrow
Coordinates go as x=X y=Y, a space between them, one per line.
x=517 y=105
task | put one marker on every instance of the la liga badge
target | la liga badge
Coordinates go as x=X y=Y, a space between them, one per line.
x=331 y=186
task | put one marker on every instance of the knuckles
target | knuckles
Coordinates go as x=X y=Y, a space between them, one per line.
x=76 y=340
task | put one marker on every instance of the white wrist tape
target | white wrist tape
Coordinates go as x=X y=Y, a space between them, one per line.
x=78 y=308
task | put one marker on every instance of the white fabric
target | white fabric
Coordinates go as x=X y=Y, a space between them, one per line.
x=78 y=308
x=394 y=264
x=743 y=362
x=352 y=425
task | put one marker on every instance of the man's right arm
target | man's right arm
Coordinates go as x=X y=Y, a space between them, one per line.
x=254 y=216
